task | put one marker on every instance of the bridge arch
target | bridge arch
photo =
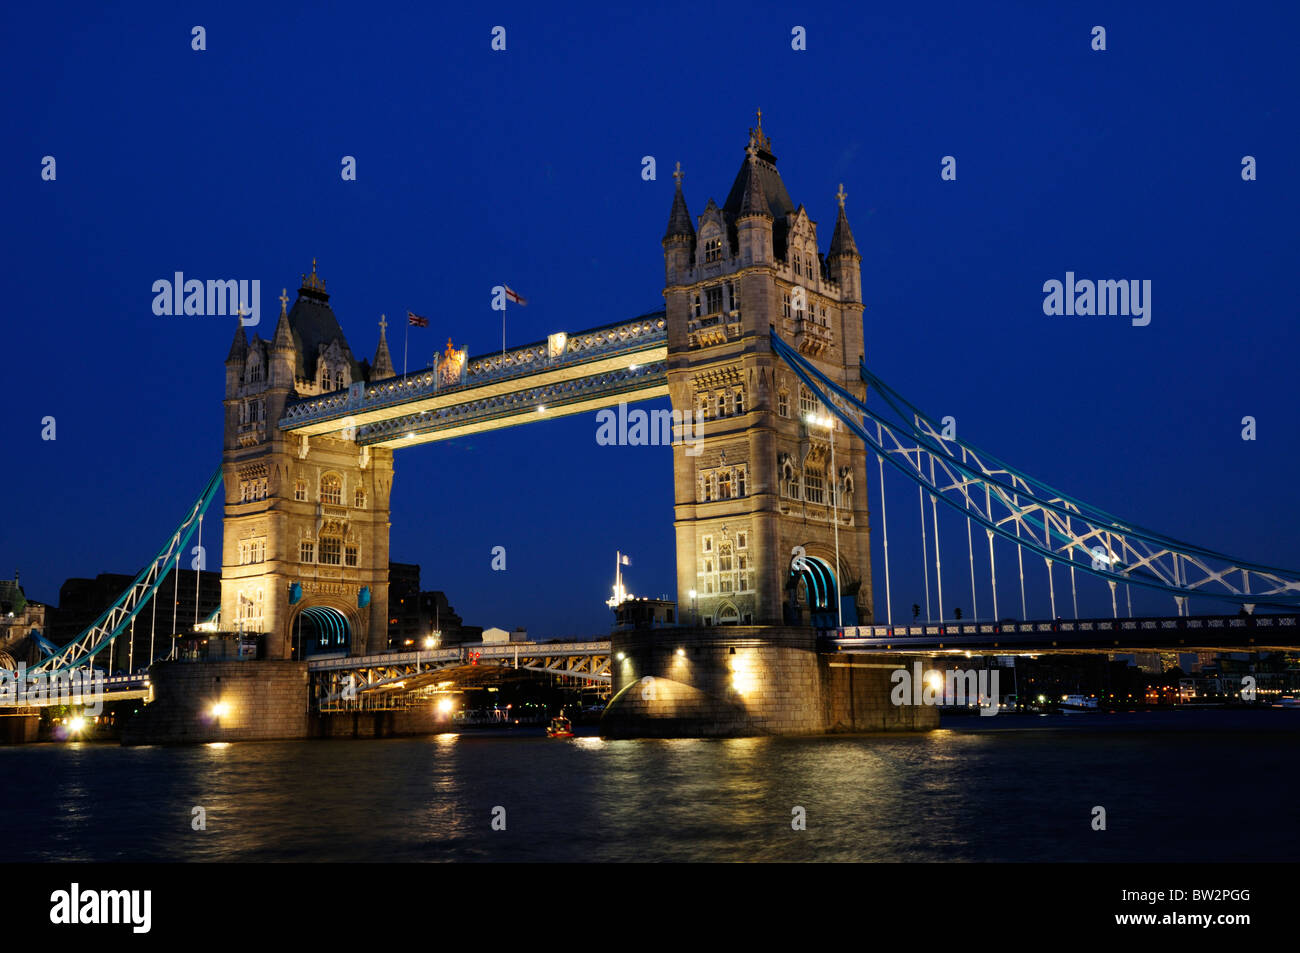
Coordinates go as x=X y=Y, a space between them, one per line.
x=322 y=629
x=815 y=586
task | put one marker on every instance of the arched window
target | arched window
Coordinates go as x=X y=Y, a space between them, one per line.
x=789 y=482
x=724 y=485
x=361 y=498
x=814 y=484
x=783 y=404
x=331 y=489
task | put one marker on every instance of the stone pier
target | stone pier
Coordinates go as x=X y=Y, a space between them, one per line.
x=750 y=680
x=196 y=702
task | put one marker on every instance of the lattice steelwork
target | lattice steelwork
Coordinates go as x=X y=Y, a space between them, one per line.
x=395 y=680
x=118 y=616
x=1034 y=515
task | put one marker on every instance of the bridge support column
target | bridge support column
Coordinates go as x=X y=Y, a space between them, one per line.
x=737 y=681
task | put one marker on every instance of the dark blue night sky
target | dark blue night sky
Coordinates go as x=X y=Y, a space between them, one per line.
x=477 y=168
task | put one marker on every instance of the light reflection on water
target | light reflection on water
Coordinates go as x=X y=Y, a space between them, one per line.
x=966 y=795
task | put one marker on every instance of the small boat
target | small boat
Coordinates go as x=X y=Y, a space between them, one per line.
x=1287 y=701
x=1078 y=703
x=560 y=727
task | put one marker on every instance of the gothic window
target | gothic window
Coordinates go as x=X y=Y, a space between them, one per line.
x=704 y=407
x=331 y=489
x=696 y=304
x=706 y=489
x=725 y=577
x=255 y=369
x=350 y=555
x=707 y=544
x=739 y=396
x=814 y=483
x=742 y=539
x=307 y=552
x=331 y=550
x=724 y=485
x=300 y=490
x=740 y=482
x=783 y=404
x=361 y=498
x=712 y=249
x=798 y=266
x=785 y=304
x=807 y=403
x=789 y=482
x=722 y=404
x=713 y=300
x=825 y=321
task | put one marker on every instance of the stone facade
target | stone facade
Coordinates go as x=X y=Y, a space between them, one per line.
x=308 y=513
x=260 y=701
x=760 y=483
x=749 y=680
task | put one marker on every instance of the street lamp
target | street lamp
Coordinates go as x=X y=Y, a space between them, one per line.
x=828 y=421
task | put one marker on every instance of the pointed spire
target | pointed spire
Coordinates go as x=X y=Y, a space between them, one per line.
x=283 y=336
x=383 y=363
x=679 y=220
x=239 y=346
x=842 y=242
x=752 y=200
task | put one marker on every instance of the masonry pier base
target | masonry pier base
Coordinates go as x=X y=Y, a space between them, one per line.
x=736 y=681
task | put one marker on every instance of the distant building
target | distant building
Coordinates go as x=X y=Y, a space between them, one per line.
x=416 y=616
x=501 y=635
x=645 y=614
x=83 y=601
x=18 y=618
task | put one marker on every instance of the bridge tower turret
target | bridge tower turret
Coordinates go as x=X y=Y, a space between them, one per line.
x=761 y=481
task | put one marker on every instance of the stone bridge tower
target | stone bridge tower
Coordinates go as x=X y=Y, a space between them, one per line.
x=305 y=552
x=761 y=482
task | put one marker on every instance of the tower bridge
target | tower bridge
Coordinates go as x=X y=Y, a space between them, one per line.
x=760 y=342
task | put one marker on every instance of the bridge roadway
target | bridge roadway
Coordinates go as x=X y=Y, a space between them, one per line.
x=393 y=679
x=1254 y=633
x=116 y=688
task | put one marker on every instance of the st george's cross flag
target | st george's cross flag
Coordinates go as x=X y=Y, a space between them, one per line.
x=415 y=321
x=514 y=296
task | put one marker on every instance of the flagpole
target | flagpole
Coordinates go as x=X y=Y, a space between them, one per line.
x=407 y=343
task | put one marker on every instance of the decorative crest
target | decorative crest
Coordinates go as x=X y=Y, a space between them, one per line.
x=756 y=137
x=312 y=282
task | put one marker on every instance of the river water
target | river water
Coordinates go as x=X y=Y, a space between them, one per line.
x=1175 y=786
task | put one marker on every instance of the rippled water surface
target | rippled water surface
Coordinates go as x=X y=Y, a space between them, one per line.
x=1175 y=786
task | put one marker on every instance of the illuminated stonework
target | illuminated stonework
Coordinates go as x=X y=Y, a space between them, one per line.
x=764 y=482
x=302 y=511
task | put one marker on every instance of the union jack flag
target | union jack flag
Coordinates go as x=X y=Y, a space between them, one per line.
x=414 y=320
